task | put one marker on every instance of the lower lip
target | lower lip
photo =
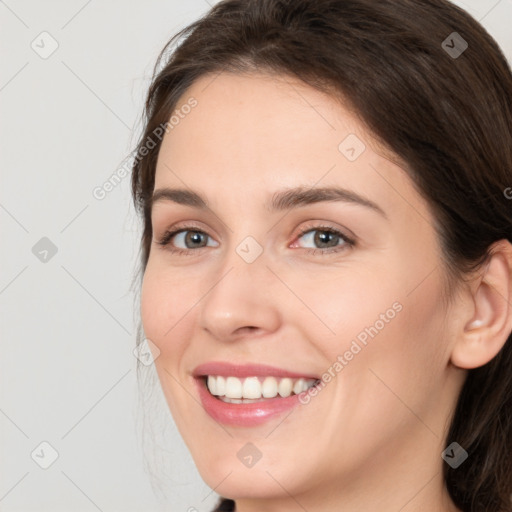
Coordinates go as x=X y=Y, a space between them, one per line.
x=244 y=415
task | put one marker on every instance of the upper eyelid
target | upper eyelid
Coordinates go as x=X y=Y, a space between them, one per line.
x=197 y=225
x=191 y=227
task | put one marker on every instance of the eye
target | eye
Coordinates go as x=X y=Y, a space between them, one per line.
x=192 y=238
x=327 y=238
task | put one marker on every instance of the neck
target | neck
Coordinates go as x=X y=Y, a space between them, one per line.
x=432 y=496
x=402 y=478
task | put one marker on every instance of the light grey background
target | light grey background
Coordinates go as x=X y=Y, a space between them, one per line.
x=68 y=373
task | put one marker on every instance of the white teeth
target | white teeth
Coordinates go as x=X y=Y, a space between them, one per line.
x=251 y=388
x=235 y=389
x=299 y=386
x=269 y=388
x=212 y=385
x=221 y=385
x=285 y=387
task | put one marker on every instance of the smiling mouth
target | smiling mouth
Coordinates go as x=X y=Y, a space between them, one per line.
x=236 y=390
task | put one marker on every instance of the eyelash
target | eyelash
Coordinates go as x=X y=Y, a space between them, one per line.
x=165 y=240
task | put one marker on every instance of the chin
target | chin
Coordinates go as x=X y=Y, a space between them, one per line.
x=246 y=484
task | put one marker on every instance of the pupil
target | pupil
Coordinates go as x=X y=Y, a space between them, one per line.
x=195 y=236
x=323 y=235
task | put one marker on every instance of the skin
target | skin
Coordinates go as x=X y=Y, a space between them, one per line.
x=372 y=438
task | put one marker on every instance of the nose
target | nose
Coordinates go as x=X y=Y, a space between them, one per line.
x=243 y=299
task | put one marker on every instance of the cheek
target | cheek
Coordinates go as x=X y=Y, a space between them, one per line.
x=165 y=303
x=357 y=305
x=404 y=362
x=389 y=335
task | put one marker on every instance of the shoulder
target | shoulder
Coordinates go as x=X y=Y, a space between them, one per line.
x=225 y=505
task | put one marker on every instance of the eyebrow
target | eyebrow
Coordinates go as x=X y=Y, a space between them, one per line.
x=281 y=200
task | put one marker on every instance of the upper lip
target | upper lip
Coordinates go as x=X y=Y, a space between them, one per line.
x=246 y=370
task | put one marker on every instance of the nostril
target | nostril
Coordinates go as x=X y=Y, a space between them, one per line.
x=248 y=328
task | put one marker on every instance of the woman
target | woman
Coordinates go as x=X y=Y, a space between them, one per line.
x=326 y=254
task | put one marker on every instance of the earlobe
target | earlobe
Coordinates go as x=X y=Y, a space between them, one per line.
x=489 y=322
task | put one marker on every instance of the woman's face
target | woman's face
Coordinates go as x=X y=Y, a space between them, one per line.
x=259 y=281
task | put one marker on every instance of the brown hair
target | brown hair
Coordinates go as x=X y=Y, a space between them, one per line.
x=447 y=116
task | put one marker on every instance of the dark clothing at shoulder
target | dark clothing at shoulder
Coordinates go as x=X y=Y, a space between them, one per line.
x=225 y=505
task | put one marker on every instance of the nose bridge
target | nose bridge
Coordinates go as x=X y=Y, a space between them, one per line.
x=240 y=294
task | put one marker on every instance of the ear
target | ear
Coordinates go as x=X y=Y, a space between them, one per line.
x=487 y=317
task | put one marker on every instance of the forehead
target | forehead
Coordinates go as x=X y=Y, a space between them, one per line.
x=255 y=108
x=252 y=120
x=254 y=133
